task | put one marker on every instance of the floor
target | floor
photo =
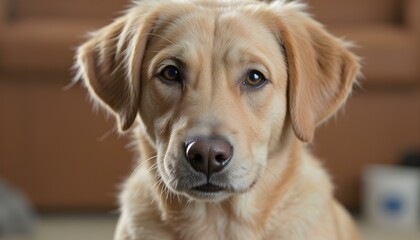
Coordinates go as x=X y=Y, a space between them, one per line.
x=102 y=227
x=74 y=227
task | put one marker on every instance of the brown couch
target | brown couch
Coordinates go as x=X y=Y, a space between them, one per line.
x=49 y=143
x=381 y=123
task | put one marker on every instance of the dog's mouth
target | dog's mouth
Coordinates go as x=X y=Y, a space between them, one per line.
x=180 y=178
x=208 y=188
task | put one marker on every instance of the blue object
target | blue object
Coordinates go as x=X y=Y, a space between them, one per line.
x=393 y=205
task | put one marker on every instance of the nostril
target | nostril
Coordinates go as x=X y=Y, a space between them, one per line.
x=197 y=158
x=222 y=157
x=196 y=153
x=220 y=153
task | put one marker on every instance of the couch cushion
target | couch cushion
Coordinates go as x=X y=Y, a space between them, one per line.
x=330 y=11
x=390 y=53
x=74 y=9
x=357 y=11
x=42 y=45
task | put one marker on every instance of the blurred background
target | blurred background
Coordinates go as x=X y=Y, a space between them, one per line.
x=61 y=163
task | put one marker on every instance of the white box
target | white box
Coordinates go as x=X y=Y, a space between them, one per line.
x=392 y=197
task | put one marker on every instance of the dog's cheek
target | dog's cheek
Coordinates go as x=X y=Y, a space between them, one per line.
x=157 y=107
x=169 y=128
x=260 y=103
x=278 y=124
x=269 y=114
x=163 y=116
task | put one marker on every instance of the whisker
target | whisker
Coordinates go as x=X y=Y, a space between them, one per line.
x=265 y=184
x=153 y=167
x=141 y=164
x=195 y=207
x=267 y=169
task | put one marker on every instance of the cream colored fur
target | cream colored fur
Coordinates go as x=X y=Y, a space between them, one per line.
x=274 y=188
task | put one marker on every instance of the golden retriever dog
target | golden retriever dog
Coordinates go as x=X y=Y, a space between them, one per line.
x=222 y=97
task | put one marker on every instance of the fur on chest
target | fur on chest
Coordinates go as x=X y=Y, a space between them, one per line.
x=212 y=221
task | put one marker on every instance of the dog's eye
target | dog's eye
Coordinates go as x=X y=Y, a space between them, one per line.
x=255 y=79
x=170 y=73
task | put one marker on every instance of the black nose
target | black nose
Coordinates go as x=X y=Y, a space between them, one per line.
x=208 y=155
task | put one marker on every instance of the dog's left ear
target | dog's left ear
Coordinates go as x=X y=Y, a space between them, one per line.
x=321 y=68
x=109 y=64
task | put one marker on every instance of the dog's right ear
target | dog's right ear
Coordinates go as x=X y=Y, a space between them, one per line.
x=321 y=68
x=109 y=64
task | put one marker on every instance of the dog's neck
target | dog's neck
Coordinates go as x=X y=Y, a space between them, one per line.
x=249 y=211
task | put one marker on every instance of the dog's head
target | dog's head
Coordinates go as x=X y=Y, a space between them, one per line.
x=217 y=84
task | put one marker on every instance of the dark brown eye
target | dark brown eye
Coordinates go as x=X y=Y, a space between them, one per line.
x=255 y=79
x=170 y=73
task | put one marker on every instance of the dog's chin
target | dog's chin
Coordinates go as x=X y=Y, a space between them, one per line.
x=210 y=192
x=207 y=196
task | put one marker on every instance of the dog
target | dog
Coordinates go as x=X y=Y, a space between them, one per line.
x=222 y=98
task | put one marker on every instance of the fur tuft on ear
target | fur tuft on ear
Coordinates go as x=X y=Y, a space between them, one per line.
x=109 y=63
x=321 y=68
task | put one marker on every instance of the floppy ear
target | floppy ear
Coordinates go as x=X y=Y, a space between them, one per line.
x=321 y=68
x=110 y=61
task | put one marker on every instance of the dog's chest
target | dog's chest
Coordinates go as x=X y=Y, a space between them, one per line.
x=198 y=222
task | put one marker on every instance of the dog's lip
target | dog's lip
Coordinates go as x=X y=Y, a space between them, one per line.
x=208 y=187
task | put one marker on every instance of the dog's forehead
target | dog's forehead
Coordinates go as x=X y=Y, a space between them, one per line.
x=226 y=31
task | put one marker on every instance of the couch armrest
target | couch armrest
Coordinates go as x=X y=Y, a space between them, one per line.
x=412 y=14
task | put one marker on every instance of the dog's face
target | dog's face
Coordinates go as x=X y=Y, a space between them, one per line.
x=216 y=80
x=215 y=85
